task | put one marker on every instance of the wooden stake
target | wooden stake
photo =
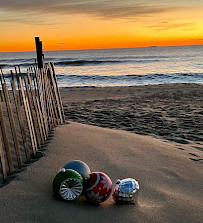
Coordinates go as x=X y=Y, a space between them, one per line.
x=38 y=44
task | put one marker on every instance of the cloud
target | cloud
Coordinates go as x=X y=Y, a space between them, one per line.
x=196 y=39
x=20 y=17
x=170 y=25
x=108 y=9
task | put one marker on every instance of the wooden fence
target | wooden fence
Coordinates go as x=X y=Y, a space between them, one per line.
x=28 y=112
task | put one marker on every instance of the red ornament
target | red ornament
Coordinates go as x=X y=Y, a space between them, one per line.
x=116 y=194
x=98 y=187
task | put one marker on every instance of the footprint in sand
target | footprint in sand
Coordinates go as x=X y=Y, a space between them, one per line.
x=199 y=148
x=170 y=174
x=180 y=148
x=196 y=160
x=193 y=154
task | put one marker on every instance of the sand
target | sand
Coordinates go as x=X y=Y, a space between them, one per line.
x=168 y=167
x=173 y=111
x=170 y=183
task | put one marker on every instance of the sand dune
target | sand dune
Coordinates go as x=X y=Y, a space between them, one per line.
x=170 y=182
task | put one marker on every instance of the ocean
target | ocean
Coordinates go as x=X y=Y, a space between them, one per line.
x=117 y=67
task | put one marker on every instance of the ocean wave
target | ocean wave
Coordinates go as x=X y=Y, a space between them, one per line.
x=86 y=62
x=9 y=61
x=100 y=62
x=132 y=77
x=16 y=64
x=127 y=80
x=2 y=65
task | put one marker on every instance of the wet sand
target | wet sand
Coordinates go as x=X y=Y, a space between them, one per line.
x=170 y=183
x=173 y=111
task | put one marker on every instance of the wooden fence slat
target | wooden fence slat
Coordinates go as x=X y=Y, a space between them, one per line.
x=46 y=103
x=21 y=122
x=12 y=124
x=35 y=108
x=41 y=118
x=37 y=105
x=42 y=99
x=49 y=110
x=59 y=95
x=32 y=126
x=29 y=120
x=36 y=129
x=52 y=101
x=6 y=143
x=41 y=102
x=49 y=104
x=56 y=93
x=18 y=84
x=3 y=161
x=54 y=106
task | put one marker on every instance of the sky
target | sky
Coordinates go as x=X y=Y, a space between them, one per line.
x=93 y=24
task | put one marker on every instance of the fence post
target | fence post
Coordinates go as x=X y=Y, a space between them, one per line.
x=38 y=45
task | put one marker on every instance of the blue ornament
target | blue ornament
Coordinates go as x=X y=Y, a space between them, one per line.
x=79 y=166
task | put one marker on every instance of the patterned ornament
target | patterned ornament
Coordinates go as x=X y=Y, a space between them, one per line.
x=68 y=184
x=126 y=191
x=79 y=166
x=98 y=187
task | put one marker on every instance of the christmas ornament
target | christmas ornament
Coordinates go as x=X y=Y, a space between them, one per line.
x=98 y=187
x=79 y=166
x=68 y=184
x=126 y=191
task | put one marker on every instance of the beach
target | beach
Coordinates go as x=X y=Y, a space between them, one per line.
x=121 y=131
x=112 y=89
x=170 y=183
x=170 y=111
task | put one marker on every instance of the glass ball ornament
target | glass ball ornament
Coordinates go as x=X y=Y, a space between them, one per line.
x=81 y=167
x=126 y=191
x=68 y=184
x=98 y=187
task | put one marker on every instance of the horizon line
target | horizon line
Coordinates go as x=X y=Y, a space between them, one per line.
x=103 y=48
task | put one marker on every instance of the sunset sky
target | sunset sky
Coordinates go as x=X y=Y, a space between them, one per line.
x=89 y=24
